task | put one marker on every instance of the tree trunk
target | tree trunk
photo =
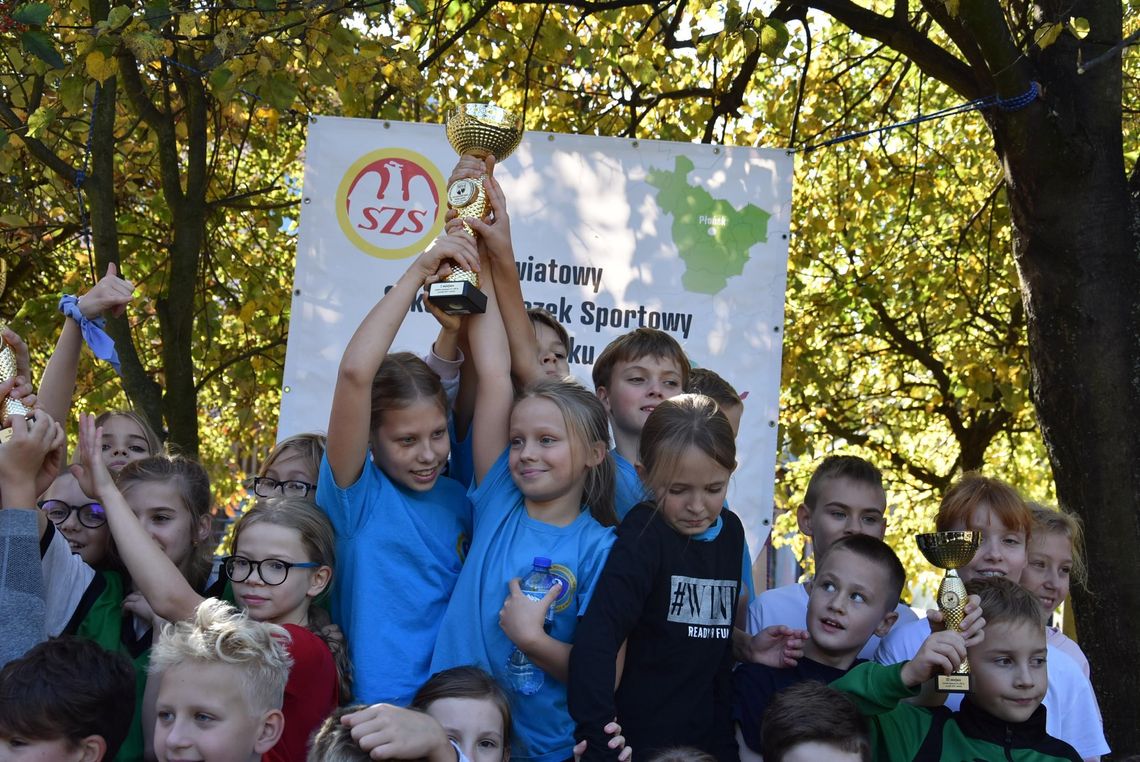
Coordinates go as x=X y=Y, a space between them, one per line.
x=1075 y=243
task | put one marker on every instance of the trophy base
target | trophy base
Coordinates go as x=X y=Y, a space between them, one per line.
x=457 y=298
x=954 y=683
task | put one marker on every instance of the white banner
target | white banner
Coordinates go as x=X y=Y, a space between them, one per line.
x=610 y=234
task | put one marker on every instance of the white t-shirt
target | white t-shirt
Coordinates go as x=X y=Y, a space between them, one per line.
x=1071 y=713
x=66 y=578
x=788 y=605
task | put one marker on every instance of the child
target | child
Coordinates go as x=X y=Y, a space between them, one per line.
x=29 y=460
x=852 y=598
x=66 y=700
x=813 y=722
x=1002 y=718
x=980 y=503
x=221 y=681
x=127 y=437
x=288 y=544
x=473 y=710
x=669 y=593
x=333 y=741
x=844 y=496
x=709 y=383
x=81 y=520
x=539 y=344
x=544 y=487
x=633 y=374
x=291 y=468
x=1055 y=559
x=400 y=526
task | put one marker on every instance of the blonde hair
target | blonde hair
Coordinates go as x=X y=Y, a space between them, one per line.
x=319 y=541
x=256 y=652
x=587 y=423
x=1058 y=521
x=310 y=446
x=333 y=741
x=675 y=425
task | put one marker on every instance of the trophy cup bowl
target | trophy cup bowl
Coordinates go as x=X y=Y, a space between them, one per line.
x=479 y=129
x=950 y=551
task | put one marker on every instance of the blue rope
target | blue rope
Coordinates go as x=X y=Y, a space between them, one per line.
x=1005 y=104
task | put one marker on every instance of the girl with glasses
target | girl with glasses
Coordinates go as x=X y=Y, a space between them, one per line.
x=282 y=560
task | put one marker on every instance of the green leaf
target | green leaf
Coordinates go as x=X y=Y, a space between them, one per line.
x=40 y=46
x=3 y=137
x=1047 y=34
x=1079 y=26
x=118 y=16
x=774 y=37
x=418 y=6
x=157 y=13
x=280 y=92
x=32 y=14
x=71 y=94
x=39 y=120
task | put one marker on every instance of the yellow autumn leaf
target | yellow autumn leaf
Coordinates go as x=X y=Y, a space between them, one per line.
x=99 y=66
x=1047 y=34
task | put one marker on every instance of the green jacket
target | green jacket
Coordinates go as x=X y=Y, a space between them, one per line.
x=906 y=732
x=100 y=618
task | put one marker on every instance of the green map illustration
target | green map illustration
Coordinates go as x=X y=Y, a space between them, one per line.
x=712 y=236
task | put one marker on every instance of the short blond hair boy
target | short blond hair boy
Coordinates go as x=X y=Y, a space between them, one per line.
x=230 y=667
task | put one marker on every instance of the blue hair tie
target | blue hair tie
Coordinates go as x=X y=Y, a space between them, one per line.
x=102 y=345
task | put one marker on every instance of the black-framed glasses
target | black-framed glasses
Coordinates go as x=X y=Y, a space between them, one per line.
x=91 y=515
x=273 y=571
x=264 y=486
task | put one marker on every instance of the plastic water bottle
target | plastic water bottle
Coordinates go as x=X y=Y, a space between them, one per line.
x=523 y=675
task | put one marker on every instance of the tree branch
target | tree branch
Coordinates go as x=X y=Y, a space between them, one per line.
x=899 y=35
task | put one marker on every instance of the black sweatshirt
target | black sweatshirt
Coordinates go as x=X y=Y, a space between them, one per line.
x=674 y=599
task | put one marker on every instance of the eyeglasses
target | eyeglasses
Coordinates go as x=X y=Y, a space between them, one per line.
x=263 y=486
x=272 y=571
x=91 y=515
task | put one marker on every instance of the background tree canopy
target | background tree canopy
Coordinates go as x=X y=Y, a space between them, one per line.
x=951 y=283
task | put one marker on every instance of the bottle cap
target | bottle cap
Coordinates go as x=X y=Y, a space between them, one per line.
x=541 y=562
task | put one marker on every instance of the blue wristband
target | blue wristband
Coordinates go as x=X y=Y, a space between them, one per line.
x=102 y=345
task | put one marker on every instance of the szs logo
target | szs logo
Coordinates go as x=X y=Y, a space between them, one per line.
x=389 y=203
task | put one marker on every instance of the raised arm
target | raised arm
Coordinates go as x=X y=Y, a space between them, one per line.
x=155 y=575
x=494 y=393
x=110 y=295
x=349 y=431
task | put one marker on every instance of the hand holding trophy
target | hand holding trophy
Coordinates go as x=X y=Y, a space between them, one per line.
x=9 y=369
x=951 y=551
x=481 y=130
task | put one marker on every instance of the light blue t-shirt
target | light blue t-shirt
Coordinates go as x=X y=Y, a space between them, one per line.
x=398 y=556
x=628 y=489
x=505 y=544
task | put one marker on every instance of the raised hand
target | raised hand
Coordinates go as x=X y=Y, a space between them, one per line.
x=940 y=654
x=110 y=295
x=390 y=732
x=92 y=474
x=458 y=250
x=495 y=232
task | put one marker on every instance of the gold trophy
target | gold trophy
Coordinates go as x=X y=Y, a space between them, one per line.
x=8 y=406
x=950 y=551
x=482 y=130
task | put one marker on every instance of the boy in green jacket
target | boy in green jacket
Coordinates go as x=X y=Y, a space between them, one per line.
x=1001 y=719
